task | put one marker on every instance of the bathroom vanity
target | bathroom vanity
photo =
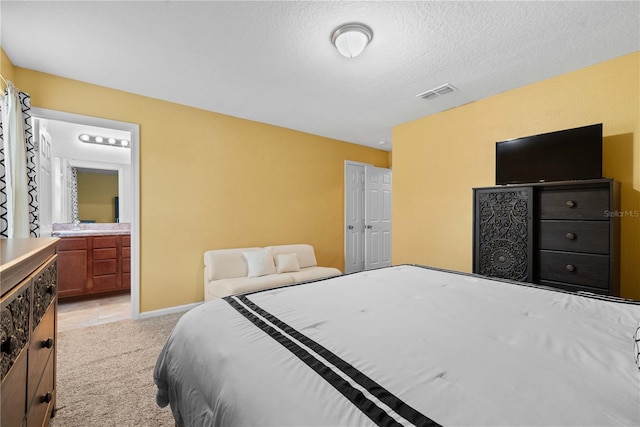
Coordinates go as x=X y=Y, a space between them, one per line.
x=94 y=260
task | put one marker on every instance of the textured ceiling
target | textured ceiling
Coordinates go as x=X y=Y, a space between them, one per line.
x=273 y=61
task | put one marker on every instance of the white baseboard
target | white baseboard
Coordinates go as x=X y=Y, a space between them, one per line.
x=170 y=310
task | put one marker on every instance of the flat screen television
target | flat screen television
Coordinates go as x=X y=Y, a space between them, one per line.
x=565 y=155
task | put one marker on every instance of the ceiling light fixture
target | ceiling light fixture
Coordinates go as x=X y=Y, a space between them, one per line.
x=351 y=39
x=102 y=140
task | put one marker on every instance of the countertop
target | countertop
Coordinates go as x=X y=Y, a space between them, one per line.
x=92 y=229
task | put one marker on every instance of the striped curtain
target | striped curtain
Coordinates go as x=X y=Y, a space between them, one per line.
x=19 y=215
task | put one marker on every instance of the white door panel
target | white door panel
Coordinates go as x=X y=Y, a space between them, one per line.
x=354 y=216
x=378 y=218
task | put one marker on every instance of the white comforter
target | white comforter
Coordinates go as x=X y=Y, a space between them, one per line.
x=458 y=349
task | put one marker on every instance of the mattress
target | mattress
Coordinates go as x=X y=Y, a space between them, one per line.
x=404 y=345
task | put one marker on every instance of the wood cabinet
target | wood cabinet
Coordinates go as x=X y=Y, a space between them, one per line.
x=72 y=266
x=94 y=266
x=561 y=234
x=29 y=331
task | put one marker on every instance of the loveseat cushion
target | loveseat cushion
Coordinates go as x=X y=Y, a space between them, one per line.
x=225 y=287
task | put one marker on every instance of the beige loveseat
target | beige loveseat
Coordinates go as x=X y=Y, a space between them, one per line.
x=236 y=271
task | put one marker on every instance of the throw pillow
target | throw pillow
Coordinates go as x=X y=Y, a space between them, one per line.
x=287 y=262
x=259 y=263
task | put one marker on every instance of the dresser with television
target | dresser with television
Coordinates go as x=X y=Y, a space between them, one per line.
x=549 y=224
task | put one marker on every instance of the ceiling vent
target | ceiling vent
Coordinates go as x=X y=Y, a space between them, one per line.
x=436 y=92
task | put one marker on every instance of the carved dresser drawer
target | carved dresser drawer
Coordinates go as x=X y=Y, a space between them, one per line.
x=577 y=203
x=575 y=268
x=575 y=236
x=28 y=273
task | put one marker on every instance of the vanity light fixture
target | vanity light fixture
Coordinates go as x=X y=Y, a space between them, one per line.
x=101 y=140
x=351 y=39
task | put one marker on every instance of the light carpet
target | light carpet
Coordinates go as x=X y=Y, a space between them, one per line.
x=105 y=374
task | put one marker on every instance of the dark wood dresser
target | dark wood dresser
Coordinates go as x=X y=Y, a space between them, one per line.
x=560 y=234
x=28 y=274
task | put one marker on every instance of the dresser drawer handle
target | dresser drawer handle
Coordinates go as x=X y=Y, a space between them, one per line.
x=570 y=267
x=571 y=204
x=48 y=343
x=570 y=236
x=46 y=398
x=9 y=345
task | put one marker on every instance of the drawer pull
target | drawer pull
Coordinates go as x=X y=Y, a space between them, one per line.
x=48 y=343
x=9 y=344
x=46 y=398
x=570 y=267
x=571 y=204
x=570 y=236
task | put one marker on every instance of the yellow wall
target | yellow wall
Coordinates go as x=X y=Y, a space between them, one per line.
x=438 y=160
x=212 y=181
x=6 y=67
x=95 y=196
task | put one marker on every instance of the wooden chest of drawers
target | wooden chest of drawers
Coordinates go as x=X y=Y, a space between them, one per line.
x=577 y=241
x=563 y=234
x=28 y=331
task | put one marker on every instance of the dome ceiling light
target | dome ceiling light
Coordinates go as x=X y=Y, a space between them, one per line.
x=351 y=39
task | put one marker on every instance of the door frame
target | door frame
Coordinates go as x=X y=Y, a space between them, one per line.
x=134 y=130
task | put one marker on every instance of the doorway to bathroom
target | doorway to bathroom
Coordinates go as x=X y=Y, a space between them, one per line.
x=101 y=158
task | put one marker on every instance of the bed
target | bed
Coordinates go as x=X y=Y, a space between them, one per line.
x=404 y=345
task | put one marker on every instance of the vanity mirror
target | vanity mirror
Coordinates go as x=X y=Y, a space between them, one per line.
x=97 y=195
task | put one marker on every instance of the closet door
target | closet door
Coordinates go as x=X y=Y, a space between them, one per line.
x=377 y=236
x=503 y=224
x=354 y=217
x=367 y=217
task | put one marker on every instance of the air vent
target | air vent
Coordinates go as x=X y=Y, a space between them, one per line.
x=436 y=92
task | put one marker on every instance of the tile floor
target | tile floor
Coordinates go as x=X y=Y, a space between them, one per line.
x=80 y=314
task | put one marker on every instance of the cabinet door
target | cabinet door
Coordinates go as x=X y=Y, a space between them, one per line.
x=503 y=225
x=72 y=266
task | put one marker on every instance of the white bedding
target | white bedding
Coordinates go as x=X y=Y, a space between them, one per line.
x=455 y=349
